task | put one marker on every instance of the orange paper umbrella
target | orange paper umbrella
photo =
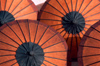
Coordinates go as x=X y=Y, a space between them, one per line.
x=31 y=43
x=17 y=9
x=71 y=18
x=89 y=49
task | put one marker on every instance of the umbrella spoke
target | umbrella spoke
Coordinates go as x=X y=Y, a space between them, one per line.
x=59 y=28
x=93 y=63
x=21 y=31
x=92 y=38
x=55 y=8
x=55 y=58
x=92 y=20
x=76 y=5
x=67 y=37
x=23 y=8
x=81 y=5
x=43 y=34
x=90 y=47
x=62 y=31
x=7 y=55
x=67 y=6
x=95 y=29
x=13 y=64
x=0 y=4
x=55 y=25
x=50 y=62
x=8 y=44
x=48 y=39
x=53 y=45
x=55 y=51
x=71 y=5
x=7 y=61
x=51 y=13
x=51 y=20
x=29 y=31
x=10 y=38
x=91 y=9
x=36 y=31
x=86 y=6
x=14 y=32
x=25 y=14
x=17 y=6
x=61 y=6
x=8 y=50
x=64 y=34
x=92 y=15
x=44 y=64
x=89 y=55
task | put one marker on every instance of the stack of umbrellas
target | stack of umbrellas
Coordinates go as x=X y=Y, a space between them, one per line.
x=62 y=32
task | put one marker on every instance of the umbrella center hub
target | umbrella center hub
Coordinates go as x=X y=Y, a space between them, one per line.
x=30 y=53
x=5 y=17
x=73 y=22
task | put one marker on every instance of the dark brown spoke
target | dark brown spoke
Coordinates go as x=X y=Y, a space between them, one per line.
x=13 y=64
x=67 y=5
x=93 y=63
x=7 y=55
x=7 y=50
x=89 y=55
x=44 y=64
x=92 y=15
x=29 y=31
x=50 y=63
x=51 y=20
x=56 y=51
x=90 y=47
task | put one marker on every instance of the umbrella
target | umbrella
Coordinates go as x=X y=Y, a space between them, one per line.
x=89 y=49
x=31 y=43
x=11 y=10
x=71 y=18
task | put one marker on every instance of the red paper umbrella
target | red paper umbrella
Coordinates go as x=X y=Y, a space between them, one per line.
x=17 y=9
x=71 y=18
x=89 y=49
x=31 y=43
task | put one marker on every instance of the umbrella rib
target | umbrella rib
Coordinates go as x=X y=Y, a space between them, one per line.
x=62 y=31
x=91 y=9
x=79 y=36
x=7 y=50
x=50 y=62
x=90 y=47
x=7 y=61
x=13 y=64
x=72 y=5
x=14 y=32
x=55 y=51
x=23 y=9
x=64 y=34
x=81 y=5
x=89 y=55
x=92 y=15
x=51 y=13
x=61 y=6
x=36 y=31
x=53 y=45
x=29 y=31
x=10 y=5
x=50 y=20
x=67 y=37
x=93 y=63
x=26 y=14
x=76 y=5
x=7 y=55
x=44 y=64
x=92 y=37
x=92 y=20
x=95 y=29
x=49 y=39
x=42 y=35
x=0 y=5
x=86 y=6
x=55 y=25
x=10 y=38
x=16 y=6
x=59 y=28
x=67 y=6
x=55 y=58
x=5 y=5
x=21 y=30
x=8 y=44
x=55 y=8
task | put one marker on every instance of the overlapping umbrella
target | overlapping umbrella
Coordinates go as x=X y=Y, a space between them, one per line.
x=17 y=9
x=31 y=43
x=71 y=18
x=89 y=49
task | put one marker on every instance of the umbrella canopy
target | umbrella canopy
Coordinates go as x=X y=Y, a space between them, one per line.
x=89 y=49
x=31 y=43
x=71 y=18
x=17 y=9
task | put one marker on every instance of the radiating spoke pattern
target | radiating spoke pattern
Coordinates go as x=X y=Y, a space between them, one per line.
x=27 y=42
x=10 y=10
x=70 y=18
x=89 y=47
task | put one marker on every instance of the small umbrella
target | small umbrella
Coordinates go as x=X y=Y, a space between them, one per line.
x=31 y=43
x=17 y=9
x=89 y=49
x=71 y=18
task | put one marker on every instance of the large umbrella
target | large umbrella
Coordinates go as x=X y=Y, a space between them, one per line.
x=17 y=9
x=89 y=49
x=71 y=18
x=31 y=43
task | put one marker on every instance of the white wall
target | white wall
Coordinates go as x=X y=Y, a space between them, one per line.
x=37 y=2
